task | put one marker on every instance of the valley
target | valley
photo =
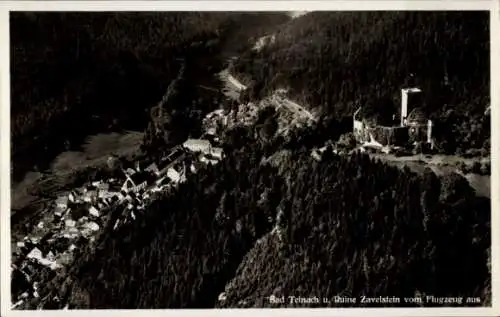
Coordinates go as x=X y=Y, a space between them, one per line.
x=214 y=182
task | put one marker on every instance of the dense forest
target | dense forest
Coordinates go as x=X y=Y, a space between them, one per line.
x=336 y=62
x=353 y=227
x=205 y=227
x=76 y=73
x=347 y=226
x=268 y=219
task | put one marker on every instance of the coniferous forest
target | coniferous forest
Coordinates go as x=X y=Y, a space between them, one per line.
x=268 y=219
x=76 y=73
x=342 y=227
x=336 y=62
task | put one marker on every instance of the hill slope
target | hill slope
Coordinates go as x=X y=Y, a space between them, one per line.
x=353 y=228
x=75 y=74
x=338 y=61
x=345 y=226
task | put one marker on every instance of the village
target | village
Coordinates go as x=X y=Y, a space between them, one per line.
x=76 y=217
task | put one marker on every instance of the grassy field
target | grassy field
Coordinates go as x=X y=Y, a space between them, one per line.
x=96 y=150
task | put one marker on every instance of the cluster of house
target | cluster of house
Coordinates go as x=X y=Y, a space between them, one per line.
x=76 y=217
x=72 y=221
x=412 y=126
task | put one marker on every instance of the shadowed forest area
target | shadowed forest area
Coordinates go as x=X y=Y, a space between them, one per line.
x=268 y=219
x=336 y=62
x=345 y=226
x=76 y=73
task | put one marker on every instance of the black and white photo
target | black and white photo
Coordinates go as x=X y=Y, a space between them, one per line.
x=250 y=159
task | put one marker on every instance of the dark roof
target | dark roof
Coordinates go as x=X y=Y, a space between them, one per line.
x=176 y=153
x=165 y=181
x=128 y=164
x=114 y=187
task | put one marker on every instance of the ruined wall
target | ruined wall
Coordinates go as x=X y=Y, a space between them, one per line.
x=389 y=135
x=395 y=136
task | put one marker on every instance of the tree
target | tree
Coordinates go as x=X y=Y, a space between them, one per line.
x=347 y=141
x=455 y=187
x=323 y=68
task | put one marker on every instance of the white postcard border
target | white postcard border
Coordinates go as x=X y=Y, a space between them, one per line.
x=431 y=5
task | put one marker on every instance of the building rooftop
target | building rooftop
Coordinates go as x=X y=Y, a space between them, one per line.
x=173 y=175
x=130 y=171
x=141 y=177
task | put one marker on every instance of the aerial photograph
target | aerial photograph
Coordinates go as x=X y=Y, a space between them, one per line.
x=249 y=159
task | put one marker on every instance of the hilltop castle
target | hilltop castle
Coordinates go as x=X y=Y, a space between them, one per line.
x=412 y=127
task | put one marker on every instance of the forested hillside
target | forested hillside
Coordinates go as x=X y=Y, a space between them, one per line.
x=268 y=218
x=353 y=227
x=345 y=226
x=77 y=73
x=188 y=244
x=338 y=61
